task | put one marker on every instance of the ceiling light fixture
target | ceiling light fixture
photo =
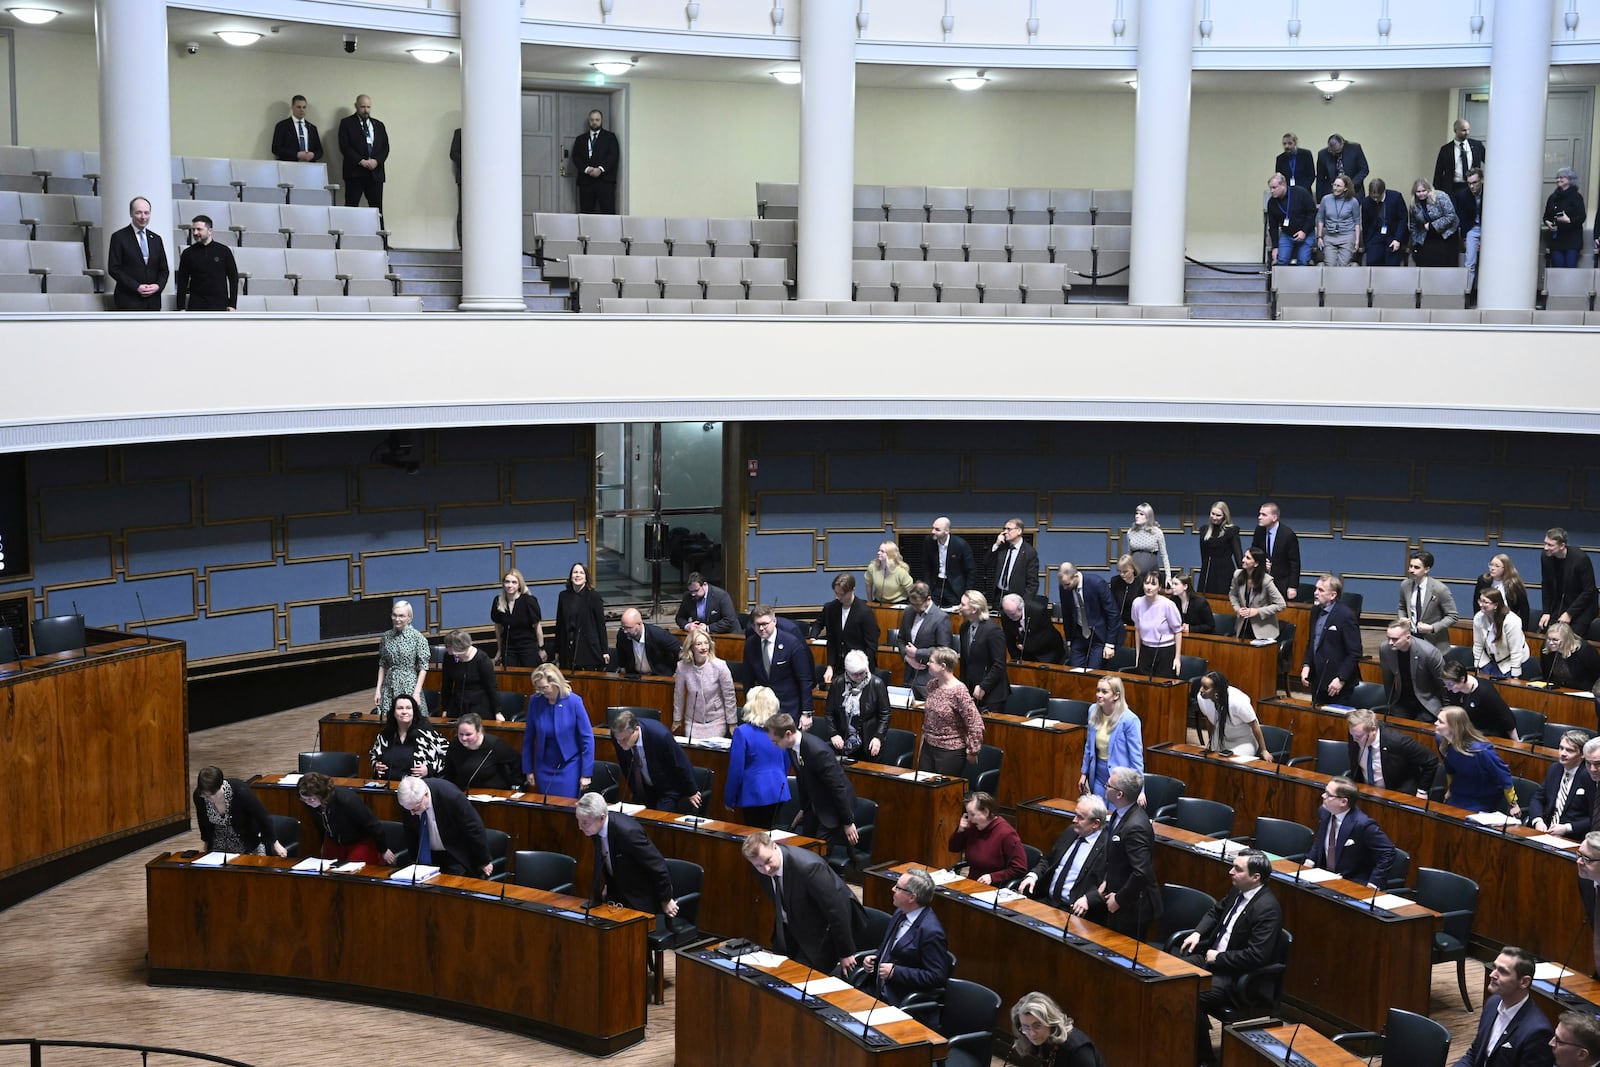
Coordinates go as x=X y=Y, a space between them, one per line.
x=787 y=77
x=1335 y=84
x=614 y=68
x=33 y=16
x=969 y=83
x=239 y=38
x=429 y=55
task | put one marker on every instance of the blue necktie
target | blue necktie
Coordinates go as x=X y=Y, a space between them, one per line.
x=425 y=839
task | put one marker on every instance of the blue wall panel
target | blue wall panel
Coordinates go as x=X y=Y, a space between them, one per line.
x=305 y=625
x=258 y=496
x=851 y=552
x=549 y=564
x=508 y=523
x=228 y=635
x=114 y=604
x=281 y=583
x=338 y=535
x=787 y=551
x=466 y=609
x=462 y=483
x=67 y=512
x=169 y=550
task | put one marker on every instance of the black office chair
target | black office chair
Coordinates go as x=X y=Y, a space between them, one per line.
x=499 y=843
x=1027 y=700
x=436 y=654
x=1031 y=857
x=1286 y=665
x=8 y=645
x=681 y=930
x=897 y=747
x=1399 y=871
x=841 y=857
x=1161 y=793
x=1279 y=742
x=1408 y=1038
x=1525 y=788
x=1190 y=668
x=1332 y=758
x=1530 y=725
x=1461 y=654
x=430 y=702
x=882 y=674
x=1456 y=899
x=1354 y=601
x=784 y=820
x=1554 y=731
x=966 y=1019
x=705 y=780
x=1227 y=624
x=1182 y=908
x=638 y=713
x=1209 y=818
x=877 y=929
x=1260 y=990
x=1065 y=709
x=550 y=871
x=1368 y=695
x=394 y=840
x=1124 y=659
x=1282 y=838
x=983 y=775
x=606 y=780
x=333 y=764
x=60 y=633
x=286 y=831
x=514 y=706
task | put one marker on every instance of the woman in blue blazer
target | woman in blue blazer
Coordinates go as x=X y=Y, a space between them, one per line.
x=1476 y=777
x=1115 y=738
x=558 y=741
x=758 y=770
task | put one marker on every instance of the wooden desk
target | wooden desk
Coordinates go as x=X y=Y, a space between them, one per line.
x=1042 y=756
x=93 y=763
x=1578 y=992
x=1570 y=706
x=1525 y=891
x=752 y=1022
x=1253 y=669
x=1329 y=920
x=731 y=901
x=1162 y=704
x=450 y=946
x=1296 y=611
x=1251 y=1046
x=1025 y=945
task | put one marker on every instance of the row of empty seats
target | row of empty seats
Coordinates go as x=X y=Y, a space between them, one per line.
x=626 y=306
x=79 y=303
x=957 y=282
x=1570 y=289
x=677 y=277
x=1370 y=287
x=558 y=237
x=61 y=267
x=72 y=172
x=1442 y=316
x=948 y=203
x=1088 y=250
x=65 y=217
x=46 y=267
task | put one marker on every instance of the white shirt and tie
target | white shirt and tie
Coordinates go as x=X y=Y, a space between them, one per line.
x=1072 y=865
x=1221 y=944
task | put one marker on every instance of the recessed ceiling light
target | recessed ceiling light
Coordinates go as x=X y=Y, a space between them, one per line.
x=969 y=84
x=614 y=68
x=33 y=16
x=239 y=38
x=1335 y=84
x=429 y=55
x=787 y=77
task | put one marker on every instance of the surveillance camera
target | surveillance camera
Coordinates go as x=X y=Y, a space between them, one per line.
x=350 y=44
x=1327 y=98
x=192 y=48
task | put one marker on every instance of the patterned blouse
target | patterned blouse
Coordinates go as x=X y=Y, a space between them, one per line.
x=403 y=656
x=1148 y=547
x=224 y=838
x=950 y=720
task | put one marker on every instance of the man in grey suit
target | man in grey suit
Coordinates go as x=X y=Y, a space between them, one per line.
x=1413 y=674
x=1427 y=603
x=924 y=627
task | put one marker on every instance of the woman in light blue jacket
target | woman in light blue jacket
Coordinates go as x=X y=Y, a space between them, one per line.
x=758 y=770
x=1115 y=738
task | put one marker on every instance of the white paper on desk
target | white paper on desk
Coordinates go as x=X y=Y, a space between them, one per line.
x=627 y=809
x=1039 y=724
x=352 y=867
x=692 y=820
x=882 y=1015
x=763 y=959
x=1549 y=972
x=313 y=866
x=1555 y=842
x=289 y=779
x=1005 y=896
x=1225 y=849
x=482 y=798
x=1316 y=874
x=212 y=859
x=1262 y=642
x=714 y=742
x=1389 y=902
x=516 y=796
x=1490 y=818
x=819 y=641
x=919 y=776
x=1077 y=670
x=779 y=835
x=943 y=877
x=1243 y=758
x=417 y=872
x=818 y=986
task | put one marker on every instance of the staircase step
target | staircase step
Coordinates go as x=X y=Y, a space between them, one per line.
x=1215 y=283
x=442 y=272
x=1225 y=298
x=440 y=303
x=424 y=287
x=1204 y=270
x=1235 y=312
x=548 y=303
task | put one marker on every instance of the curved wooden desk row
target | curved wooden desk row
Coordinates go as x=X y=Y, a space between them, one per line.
x=1526 y=894
x=1331 y=920
x=1146 y=999
x=1246 y=1045
x=502 y=956
x=1574 y=707
x=732 y=902
x=761 y=1018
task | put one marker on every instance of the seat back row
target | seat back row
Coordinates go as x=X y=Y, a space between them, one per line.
x=677 y=277
x=81 y=303
x=946 y=203
x=264 y=181
x=1080 y=247
x=46 y=267
x=959 y=282
x=315 y=272
x=1376 y=287
x=557 y=237
x=242 y=223
x=1442 y=316
x=628 y=306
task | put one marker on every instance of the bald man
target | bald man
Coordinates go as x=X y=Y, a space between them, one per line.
x=644 y=648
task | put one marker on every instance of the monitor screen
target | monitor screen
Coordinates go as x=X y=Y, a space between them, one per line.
x=14 y=560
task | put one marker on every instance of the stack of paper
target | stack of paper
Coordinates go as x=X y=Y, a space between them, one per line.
x=416 y=872
x=818 y=986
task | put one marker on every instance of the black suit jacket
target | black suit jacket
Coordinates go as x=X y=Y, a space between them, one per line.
x=1284 y=562
x=983 y=662
x=493 y=765
x=671 y=775
x=959 y=567
x=1364 y=850
x=791 y=673
x=1566 y=587
x=353 y=146
x=130 y=270
x=460 y=829
x=1525 y=1043
x=720 y=616
x=1355 y=168
x=286 y=143
x=661 y=647
x=1444 y=166
x=1043 y=644
x=1255 y=932
x=875 y=710
x=247 y=814
x=1024 y=573
x=1130 y=869
x=607 y=154
x=1488 y=710
x=819 y=921
x=1298 y=168
x=1339 y=653
x=1105 y=619
x=858 y=632
x=639 y=878
x=1467 y=209
x=824 y=791
x=1407 y=766
x=1090 y=875
x=921 y=958
x=934 y=633
x=1390 y=213
x=1580 y=798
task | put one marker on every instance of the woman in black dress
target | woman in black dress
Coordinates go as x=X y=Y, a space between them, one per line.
x=517 y=623
x=1220 y=552
x=349 y=829
x=468 y=683
x=580 y=624
x=231 y=817
x=407 y=745
x=1125 y=589
x=1198 y=618
x=1564 y=215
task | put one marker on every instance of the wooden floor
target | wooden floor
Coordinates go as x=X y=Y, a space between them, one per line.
x=74 y=967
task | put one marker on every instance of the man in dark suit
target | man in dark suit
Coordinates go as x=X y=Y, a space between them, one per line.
x=1469 y=214
x=1348 y=842
x=442 y=828
x=1282 y=547
x=364 y=145
x=628 y=868
x=779 y=661
x=137 y=262
x=1031 y=635
x=1070 y=877
x=827 y=803
x=1132 y=894
x=653 y=764
x=1340 y=157
x=847 y=623
x=597 y=156
x=1013 y=563
x=983 y=654
x=1385 y=225
x=455 y=169
x=1388 y=759
x=1566 y=584
x=1237 y=936
x=1457 y=158
x=924 y=627
x=1089 y=617
x=1413 y=674
x=1562 y=804
x=915 y=956
x=706 y=606
x=856 y=716
x=1332 y=666
x=294 y=138
x=1295 y=163
x=645 y=648
x=477 y=759
x=208 y=278
x=819 y=920
x=1576 y=1042
x=1427 y=602
x=1512 y=1031
x=947 y=563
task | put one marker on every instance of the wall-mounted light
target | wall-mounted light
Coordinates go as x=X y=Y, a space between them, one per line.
x=239 y=38
x=429 y=55
x=33 y=16
x=787 y=77
x=614 y=68
x=1331 y=85
x=971 y=82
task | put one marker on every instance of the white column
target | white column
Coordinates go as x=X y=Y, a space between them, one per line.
x=135 y=124
x=1161 y=146
x=491 y=134
x=827 y=147
x=1513 y=186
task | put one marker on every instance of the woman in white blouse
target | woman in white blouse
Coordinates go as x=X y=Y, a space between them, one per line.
x=1498 y=647
x=1235 y=727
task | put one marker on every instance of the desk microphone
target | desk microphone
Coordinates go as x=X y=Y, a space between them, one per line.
x=1372 y=905
x=1288 y=1053
x=1565 y=966
x=142 y=617
x=866 y=1020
